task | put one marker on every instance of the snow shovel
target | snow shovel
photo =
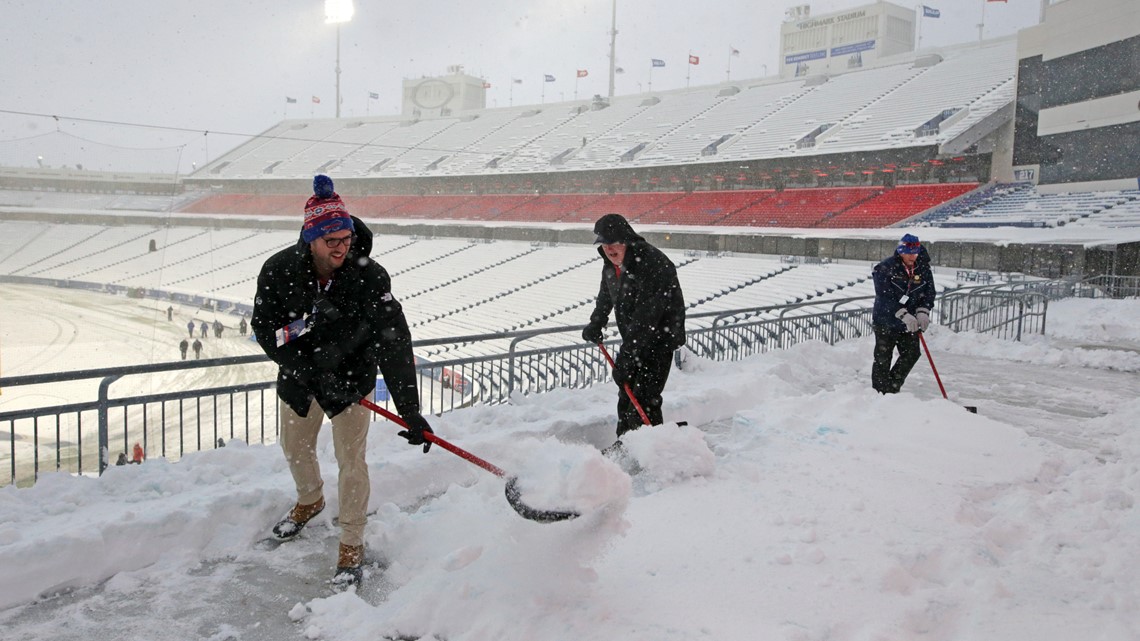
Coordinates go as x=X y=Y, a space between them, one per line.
x=629 y=392
x=969 y=408
x=625 y=386
x=514 y=496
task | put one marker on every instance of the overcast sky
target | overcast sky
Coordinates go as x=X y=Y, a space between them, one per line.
x=226 y=67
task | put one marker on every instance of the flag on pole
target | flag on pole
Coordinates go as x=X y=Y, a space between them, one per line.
x=547 y=78
x=316 y=100
x=733 y=50
x=657 y=62
x=373 y=95
x=582 y=73
x=486 y=85
x=930 y=12
x=289 y=100
x=517 y=81
x=694 y=60
x=619 y=70
x=997 y=0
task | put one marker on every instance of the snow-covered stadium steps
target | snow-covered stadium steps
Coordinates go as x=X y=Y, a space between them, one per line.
x=458 y=142
x=46 y=244
x=371 y=147
x=530 y=274
x=1028 y=206
x=188 y=260
x=19 y=246
x=588 y=126
x=263 y=155
x=420 y=265
x=829 y=103
x=961 y=79
x=712 y=277
x=331 y=153
x=511 y=138
x=99 y=251
x=1124 y=214
x=399 y=141
x=477 y=272
x=728 y=117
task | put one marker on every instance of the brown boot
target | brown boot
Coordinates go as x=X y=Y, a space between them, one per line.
x=348 y=570
x=293 y=522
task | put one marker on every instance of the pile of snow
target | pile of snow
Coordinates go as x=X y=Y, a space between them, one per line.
x=795 y=505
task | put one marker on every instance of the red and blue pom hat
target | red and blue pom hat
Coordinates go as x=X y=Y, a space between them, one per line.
x=909 y=245
x=324 y=212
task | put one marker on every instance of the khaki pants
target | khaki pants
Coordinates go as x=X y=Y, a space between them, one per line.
x=350 y=431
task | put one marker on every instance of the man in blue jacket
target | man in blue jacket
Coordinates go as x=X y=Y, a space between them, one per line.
x=904 y=296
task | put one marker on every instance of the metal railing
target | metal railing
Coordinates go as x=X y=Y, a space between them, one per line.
x=79 y=437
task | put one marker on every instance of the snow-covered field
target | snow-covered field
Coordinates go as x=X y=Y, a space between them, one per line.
x=796 y=505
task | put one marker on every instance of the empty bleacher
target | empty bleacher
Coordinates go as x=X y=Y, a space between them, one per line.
x=893 y=205
x=799 y=207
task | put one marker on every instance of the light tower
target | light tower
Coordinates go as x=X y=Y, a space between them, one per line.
x=338 y=12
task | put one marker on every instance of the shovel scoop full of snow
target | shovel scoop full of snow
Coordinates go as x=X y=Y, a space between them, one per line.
x=514 y=496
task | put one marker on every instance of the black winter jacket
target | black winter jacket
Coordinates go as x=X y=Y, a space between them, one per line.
x=336 y=361
x=646 y=300
x=892 y=284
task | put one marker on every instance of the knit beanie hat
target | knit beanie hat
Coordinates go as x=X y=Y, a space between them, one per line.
x=325 y=212
x=908 y=245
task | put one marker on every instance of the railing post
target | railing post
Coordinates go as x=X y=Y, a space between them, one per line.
x=104 y=423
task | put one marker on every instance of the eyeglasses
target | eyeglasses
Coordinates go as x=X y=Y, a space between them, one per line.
x=333 y=243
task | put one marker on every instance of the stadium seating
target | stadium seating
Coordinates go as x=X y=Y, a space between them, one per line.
x=799 y=207
x=893 y=205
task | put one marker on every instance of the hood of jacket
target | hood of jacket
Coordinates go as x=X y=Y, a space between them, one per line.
x=614 y=228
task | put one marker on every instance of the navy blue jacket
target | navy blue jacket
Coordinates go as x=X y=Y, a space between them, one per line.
x=892 y=284
x=336 y=362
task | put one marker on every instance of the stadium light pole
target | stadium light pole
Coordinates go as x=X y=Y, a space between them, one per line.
x=613 y=45
x=338 y=12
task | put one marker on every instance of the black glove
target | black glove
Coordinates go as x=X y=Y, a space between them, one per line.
x=624 y=368
x=592 y=333
x=417 y=425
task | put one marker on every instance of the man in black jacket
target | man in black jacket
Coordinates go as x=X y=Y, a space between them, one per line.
x=324 y=312
x=639 y=283
x=904 y=296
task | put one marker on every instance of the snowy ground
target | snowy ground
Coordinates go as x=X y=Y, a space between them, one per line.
x=797 y=505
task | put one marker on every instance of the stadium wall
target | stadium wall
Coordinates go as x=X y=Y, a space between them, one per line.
x=1078 y=87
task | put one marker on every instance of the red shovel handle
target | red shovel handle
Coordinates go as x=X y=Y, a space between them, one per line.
x=930 y=358
x=435 y=440
x=625 y=386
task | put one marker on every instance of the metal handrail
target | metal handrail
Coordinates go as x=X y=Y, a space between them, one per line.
x=489 y=379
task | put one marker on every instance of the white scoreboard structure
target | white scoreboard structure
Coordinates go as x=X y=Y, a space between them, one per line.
x=443 y=95
x=842 y=41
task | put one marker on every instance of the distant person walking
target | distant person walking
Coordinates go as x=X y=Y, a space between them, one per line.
x=197 y=349
x=137 y=454
x=190 y=326
x=182 y=347
x=218 y=327
x=243 y=327
x=205 y=328
x=169 y=313
x=904 y=296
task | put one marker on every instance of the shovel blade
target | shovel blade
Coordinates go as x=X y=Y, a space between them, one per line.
x=514 y=497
